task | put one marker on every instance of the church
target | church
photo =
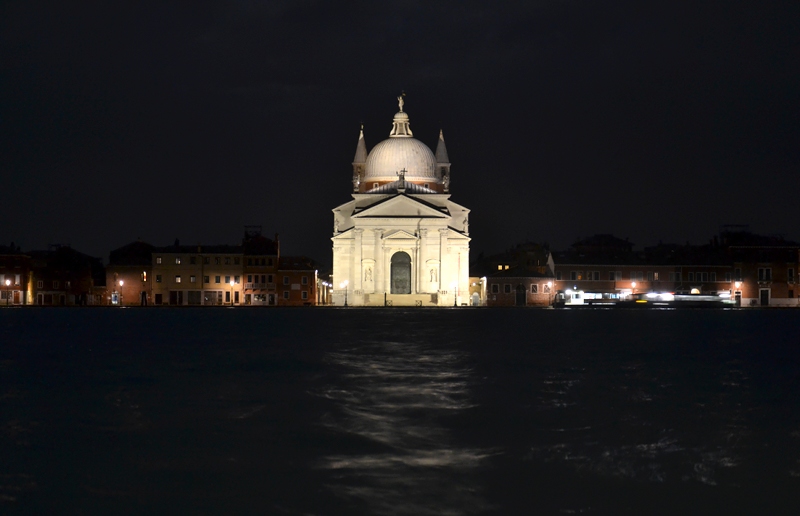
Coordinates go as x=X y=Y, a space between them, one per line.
x=401 y=241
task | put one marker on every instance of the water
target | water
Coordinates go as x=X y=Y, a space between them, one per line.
x=399 y=412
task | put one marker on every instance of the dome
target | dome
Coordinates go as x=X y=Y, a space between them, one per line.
x=400 y=151
x=395 y=154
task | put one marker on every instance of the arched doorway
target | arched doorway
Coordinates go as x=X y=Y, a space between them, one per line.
x=401 y=273
x=521 y=295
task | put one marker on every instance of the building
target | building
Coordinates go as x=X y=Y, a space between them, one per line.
x=297 y=285
x=400 y=241
x=261 y=258
x=129 y=275
x=15 y=271
x=521 y=276
x=62 y=276
x=195 y=275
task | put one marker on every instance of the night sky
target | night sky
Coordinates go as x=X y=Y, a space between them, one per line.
x=649 y=120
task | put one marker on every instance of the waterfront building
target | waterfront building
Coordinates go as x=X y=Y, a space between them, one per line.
x=297 y=285
x=195 y=275
x=129 y=275
x=260 y=261
x=401 y=240
x=15 y=271
x=62 y=276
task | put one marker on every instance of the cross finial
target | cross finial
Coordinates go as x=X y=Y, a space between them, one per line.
x=402 y=175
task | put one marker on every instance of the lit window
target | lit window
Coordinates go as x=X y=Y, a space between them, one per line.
x=499 y=267
x=158 y=260
x=192 y=279
x=178 y=278
x=177 y=260
x=144 y=275
x=506 y=267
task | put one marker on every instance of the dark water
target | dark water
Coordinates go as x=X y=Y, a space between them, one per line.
x=351 y=411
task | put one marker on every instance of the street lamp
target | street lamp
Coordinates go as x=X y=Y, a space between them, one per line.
x=549 y=291
x=633 y=287
x=120 y=292
x=8 y=284
x=344 y=286
x=232 y=284
x=455 y=293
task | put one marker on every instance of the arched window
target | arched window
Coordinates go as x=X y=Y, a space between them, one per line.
x=401 y=273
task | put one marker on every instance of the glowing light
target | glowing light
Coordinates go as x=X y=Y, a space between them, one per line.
x=121 y=283
x=737 y=284
x=695 y=291
x=8 y=282
x=633 y=284
x=549 y=283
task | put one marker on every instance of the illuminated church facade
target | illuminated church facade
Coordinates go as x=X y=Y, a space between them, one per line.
x=401 y=241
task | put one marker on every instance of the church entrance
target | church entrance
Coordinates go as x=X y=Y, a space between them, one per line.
x=401 y=273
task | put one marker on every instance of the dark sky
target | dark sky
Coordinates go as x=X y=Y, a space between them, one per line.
x=649 y=120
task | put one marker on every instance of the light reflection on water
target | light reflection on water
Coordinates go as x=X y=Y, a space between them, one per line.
x=392 y=397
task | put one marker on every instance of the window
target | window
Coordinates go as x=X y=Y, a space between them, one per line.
x=216 y=279
x=55 y=284
x=764 y=274
x=227 y=280
x=177 y=260
x=216 y=260
x=612 y=276
x=269 y=278
x=206 y=279
x=264 y=262
x=690 y=276
x=546 y=288
x=304 y=294
x=263 y=278
x=596 y=275
x=558 y=275
x=269 y=261
x=655 y=276
x=286 y=295
x=286 y=280
x=704 y=277
x=737 y=273
x=304 y=280
x=158 y=260
x=177 y=278
x=507 y=288
x=712 y=276
x=249 y=278
x=144 y=275
x=728 y=277
x=40 y=284
x=650 y=276
x=206 y=260
x=158 y=278
x=534 y=288
x=499 y=267
x=791 y=294
x=495 y=288
x=237 y=261
x=193 y=279
x=789 y=275
x=227 y=260
x=573 y=275
x=227 y=296
x=237 y=279
x=67 y=284
x=193 y=260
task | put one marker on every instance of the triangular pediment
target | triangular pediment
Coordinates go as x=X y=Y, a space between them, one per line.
x=401 y=206
x=400 y=233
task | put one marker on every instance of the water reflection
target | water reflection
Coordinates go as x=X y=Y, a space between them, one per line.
x=391 y=399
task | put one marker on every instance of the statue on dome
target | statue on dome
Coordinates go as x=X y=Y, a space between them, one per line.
x=400 y=101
